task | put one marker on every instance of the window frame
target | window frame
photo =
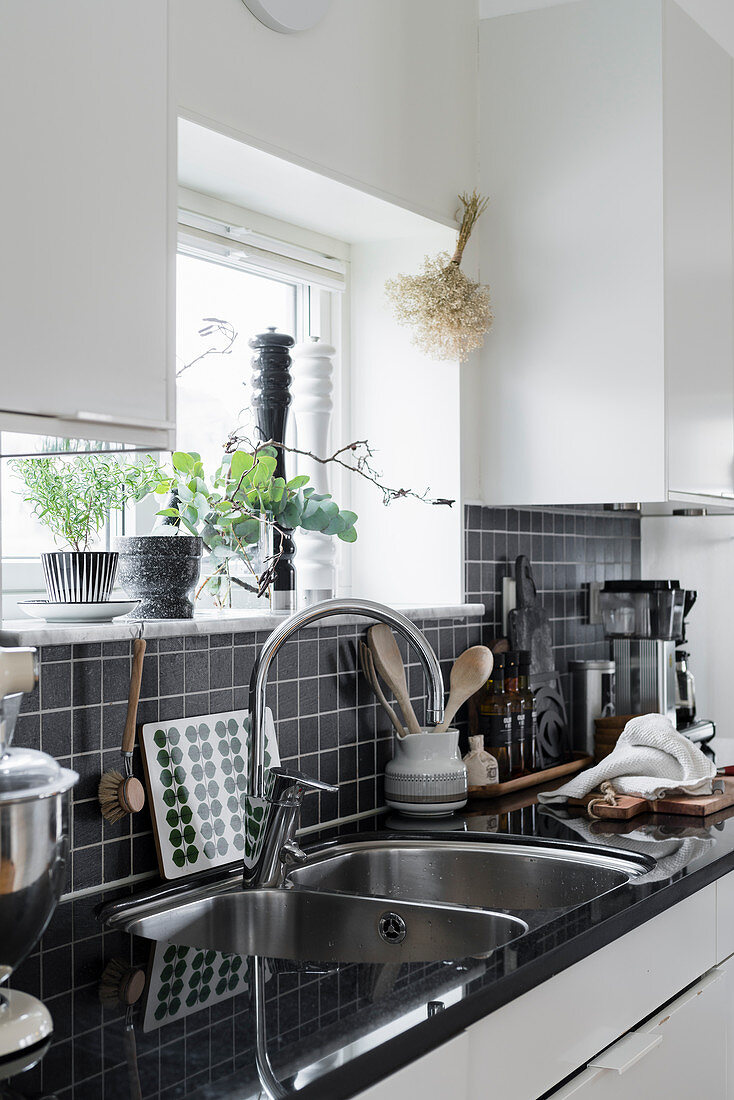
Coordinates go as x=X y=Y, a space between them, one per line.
x=219 y=232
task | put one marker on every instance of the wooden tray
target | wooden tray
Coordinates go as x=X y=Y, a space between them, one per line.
x=692 y=805
x=495 y=790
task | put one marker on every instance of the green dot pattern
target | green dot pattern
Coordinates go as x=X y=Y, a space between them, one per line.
x=198 y=772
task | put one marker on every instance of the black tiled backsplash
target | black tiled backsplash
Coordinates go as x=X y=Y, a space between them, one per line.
x=568 y=548
x=327 y=720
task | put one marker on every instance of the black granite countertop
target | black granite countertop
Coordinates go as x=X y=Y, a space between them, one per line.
x=331 y=1032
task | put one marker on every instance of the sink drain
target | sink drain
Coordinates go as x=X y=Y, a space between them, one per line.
x=392 y=928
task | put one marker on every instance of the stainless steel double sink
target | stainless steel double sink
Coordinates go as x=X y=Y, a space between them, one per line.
x=388 y=900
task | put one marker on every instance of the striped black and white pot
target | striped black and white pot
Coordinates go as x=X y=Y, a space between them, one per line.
x=79 y=576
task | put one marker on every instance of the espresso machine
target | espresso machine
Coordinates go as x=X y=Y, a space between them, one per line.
x=646 y=624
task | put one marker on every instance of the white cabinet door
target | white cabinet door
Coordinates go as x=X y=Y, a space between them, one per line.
x=84 y=192
x=680 y=1052
x=606 y=146
x=442 y=1073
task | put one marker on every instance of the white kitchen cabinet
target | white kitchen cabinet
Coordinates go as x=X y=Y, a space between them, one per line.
x=681 y=1051
x=606 y=149
x=566 y=1021
x=86 y=277
x=441 y=1073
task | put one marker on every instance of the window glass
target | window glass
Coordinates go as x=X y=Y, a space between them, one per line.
x=213 y=395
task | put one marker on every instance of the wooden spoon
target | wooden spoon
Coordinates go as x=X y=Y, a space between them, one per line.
x=370 y=675
x=469 y=672
x=389 y=664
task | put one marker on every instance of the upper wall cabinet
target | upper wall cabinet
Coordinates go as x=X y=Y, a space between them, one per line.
x=85 y=280
x=606 y=140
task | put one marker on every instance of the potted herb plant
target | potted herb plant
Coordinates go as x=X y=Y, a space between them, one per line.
x=73 y=497
x=230 y=513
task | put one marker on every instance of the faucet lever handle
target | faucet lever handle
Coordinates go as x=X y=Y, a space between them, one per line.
x=291 y=785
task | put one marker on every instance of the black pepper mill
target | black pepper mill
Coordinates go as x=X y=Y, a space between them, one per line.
x=271 y=398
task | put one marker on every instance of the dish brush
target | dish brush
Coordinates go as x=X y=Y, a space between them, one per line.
x=124 y=794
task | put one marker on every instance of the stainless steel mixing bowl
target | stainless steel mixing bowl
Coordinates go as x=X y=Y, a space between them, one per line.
x=33 y=848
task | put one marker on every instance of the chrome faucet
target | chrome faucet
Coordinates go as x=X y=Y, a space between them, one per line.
x=283 y=789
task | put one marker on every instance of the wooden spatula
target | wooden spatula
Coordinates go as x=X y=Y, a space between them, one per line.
x=470 y=670
x=389 y=664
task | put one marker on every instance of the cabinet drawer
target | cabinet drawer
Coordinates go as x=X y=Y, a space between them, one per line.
x=681 y=1051
x=443 y=1072
x=568 y=1019
x=725 y=917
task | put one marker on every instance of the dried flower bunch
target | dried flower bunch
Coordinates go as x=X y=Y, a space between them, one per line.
x=450 y=312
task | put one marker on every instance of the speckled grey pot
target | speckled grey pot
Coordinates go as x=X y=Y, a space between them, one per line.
x=161 y=571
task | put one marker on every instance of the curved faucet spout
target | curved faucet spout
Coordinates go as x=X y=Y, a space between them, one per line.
x=305 y=618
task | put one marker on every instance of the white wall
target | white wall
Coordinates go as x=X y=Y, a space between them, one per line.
x=408 y=408
x=381 y=93
x=700 y=553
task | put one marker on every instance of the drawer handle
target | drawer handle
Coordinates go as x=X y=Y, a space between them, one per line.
x=628 y=1050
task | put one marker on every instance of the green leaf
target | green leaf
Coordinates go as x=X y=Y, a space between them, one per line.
x=349 y=517
x=183 y=462
x=350 y=535
x=241 y=462
x=335 y=526
x=298 y=482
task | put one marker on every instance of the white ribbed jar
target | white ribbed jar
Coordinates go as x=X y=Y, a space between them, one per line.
x=426 y=777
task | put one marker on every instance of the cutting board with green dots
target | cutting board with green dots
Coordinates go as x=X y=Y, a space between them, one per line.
x=196 y=772
x=183 y=980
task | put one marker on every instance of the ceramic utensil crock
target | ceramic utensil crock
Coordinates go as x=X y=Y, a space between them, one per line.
x=426 y=777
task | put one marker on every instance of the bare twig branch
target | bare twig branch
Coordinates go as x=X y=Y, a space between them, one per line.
x=362 y=455
x=221 y=328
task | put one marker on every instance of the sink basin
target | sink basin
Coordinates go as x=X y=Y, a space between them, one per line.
x=516 y=876
x=309 y=926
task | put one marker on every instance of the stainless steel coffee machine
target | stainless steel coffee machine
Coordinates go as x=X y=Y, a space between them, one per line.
x=646 y=623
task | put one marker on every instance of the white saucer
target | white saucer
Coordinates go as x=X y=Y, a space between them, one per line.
x=78 y=612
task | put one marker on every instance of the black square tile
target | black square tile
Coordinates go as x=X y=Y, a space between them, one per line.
x=89 y=767
x=28 y=731
x=149 y=682
x=171 y=673
x=87 y=729
x=56 y=685
x=221 y=700
x=197 y=704
x=86 y=824
x=244 y=659
x=171 y=708
x=115 y=679
x=196 y=641
x=117 y=859
x=196 y=671
x=87 y=867
x=221 y=668
x=86 y=682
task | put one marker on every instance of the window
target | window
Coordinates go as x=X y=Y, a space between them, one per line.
x=245 y=279
x=213 y=394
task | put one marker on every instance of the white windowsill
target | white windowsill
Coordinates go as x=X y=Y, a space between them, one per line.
x=34 y=633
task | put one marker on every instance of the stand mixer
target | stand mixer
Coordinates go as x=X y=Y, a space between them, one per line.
x=33 y=855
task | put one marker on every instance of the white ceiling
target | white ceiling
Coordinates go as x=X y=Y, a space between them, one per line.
x=715 y=16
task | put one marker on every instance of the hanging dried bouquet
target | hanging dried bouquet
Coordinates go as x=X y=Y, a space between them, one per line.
x=449 y=311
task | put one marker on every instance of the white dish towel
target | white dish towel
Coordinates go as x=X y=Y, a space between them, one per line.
x=650 y=759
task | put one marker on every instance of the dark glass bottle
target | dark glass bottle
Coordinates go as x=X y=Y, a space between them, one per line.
x=531 y=717
x=495 y=718
x=517 y=713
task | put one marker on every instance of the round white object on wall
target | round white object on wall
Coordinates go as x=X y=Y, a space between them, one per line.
x=289 y=16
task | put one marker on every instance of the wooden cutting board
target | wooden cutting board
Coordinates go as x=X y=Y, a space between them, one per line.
x=528 y=623
x=689 y=804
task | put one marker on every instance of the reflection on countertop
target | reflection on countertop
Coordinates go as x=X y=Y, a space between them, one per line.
x=329 y=1029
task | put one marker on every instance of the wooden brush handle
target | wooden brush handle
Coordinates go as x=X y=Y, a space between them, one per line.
x=136 y=675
